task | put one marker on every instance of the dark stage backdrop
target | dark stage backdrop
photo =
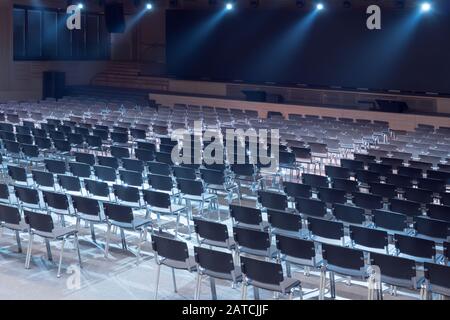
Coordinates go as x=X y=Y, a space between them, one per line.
x=329 y=48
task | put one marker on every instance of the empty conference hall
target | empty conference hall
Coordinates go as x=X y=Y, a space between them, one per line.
x=210 y=151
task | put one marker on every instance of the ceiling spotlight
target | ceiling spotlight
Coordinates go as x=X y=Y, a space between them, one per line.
x=149 y=6
x=229 y=6
x=80 y=6
x=320 y=6
x=425 y=7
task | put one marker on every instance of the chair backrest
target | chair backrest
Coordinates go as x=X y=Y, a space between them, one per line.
x=311 y=207
x=164 y=157
x=97 y=188
x=11 y=146
x=62 y=145
x=381 y=168
x=246 y=215
x=296 y=247
x=38 y=221
x=4 y=191
x=337 y=172
x=119 y=137
x=432 y=227
x=439 y=175
x=284 y=221
x=29 y=150
x=349 y=214
x=119 y=152
x=413 y=173
x=157 y=199
x=210 y=176
x=108 y=162
x=209 y=230
x=437 y=275
x=393 y=267
x=348 y=186
x=126 y=193
x=184 y=173
x=252 y=239
x=160 y=182
x=246 y=170
x=353 y=165
x=399 y=181
x=170 y=248
x=314 y=180
x=272 y=200
x=438 y=212
x=118 y=213
x=262 y=271
x=435 y=185
x=326 y=228
x=144 y=155
x=17 y=173
x=159 y=168
x=344 y=258
x=384 y=190
x=330 y=195
x=213 y=260
x=80 y=169
x=416 y=247
x=190 y=187
x=368 y=237
x=133 y=165
x=418 y=195
x=390 y=220
x=367 y=200
x=394 y=162
x=132 y=178
x=9 y=214
x=86 y=206
x=56 y=200
x=27 y=195
x=366 y=177
x=295 y=190
x=366 y=158
x=105 y=173
x=409 y=208
x=69 y=183
x=87 y=158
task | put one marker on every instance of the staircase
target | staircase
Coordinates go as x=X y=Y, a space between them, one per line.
x=128 y=75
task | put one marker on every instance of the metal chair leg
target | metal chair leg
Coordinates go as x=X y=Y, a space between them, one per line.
x=256 y=293
x=174 y=281
x=77 y=246
x=19 y=245
x=323 y=279
x=49 y=251
x=158 y=273
x=244 y=291
x=108 y=235
x=60 y=257
x=212 y=282
x=30 y=247
x=198 y=286
x=141 y=235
